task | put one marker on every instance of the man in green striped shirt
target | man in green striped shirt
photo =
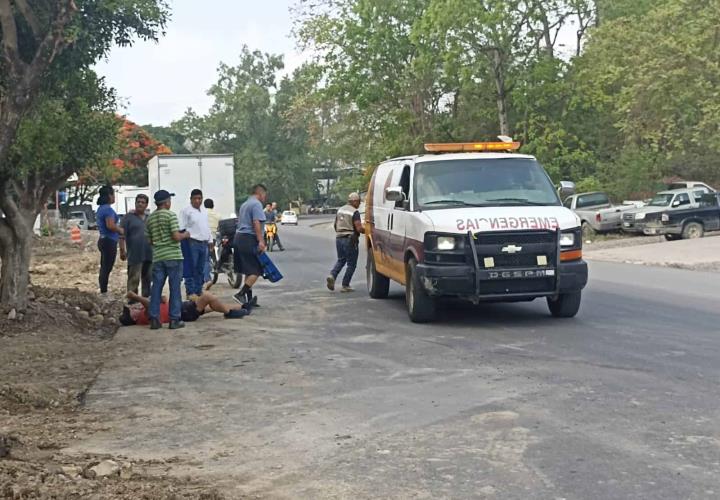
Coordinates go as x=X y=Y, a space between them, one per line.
x=163 y=232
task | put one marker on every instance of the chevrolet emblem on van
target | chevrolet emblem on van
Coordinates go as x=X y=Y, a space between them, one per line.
x=474 y=221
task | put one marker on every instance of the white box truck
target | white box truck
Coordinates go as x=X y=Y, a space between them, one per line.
x=180 y=174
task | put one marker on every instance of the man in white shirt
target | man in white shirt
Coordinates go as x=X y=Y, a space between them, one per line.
x=194 y=220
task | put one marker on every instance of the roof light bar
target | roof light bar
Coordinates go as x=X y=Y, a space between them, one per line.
x=459 y=147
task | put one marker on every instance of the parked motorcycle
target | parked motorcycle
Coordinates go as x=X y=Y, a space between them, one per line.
x=224 y=259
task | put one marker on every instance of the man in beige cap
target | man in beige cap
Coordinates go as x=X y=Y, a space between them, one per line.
x=348 y=228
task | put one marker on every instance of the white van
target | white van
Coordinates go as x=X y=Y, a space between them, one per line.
x=473 y=221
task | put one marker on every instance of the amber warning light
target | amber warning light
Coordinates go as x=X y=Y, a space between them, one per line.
x=459 y=147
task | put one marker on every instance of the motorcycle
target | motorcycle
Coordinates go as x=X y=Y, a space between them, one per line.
x=223 y=259
x=270 y=232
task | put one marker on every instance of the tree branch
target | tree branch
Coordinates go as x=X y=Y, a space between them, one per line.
x=30 y=17
x=54 y=40
x=10 y=50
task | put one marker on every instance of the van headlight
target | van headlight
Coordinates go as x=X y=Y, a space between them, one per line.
x=567 y=239
x=640 y=216
x=446 y=243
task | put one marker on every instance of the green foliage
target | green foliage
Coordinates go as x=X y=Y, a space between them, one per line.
x=637 y=104
x=588 y=184
x=71 y=128
x=171 y=138
x=266 y=125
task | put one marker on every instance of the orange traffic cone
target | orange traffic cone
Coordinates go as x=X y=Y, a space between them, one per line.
x=75 y=236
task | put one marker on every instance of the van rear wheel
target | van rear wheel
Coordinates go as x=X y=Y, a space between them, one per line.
x=421 y=307
x=378 y=285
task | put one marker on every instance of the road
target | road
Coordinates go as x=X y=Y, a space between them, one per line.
x=321 y=395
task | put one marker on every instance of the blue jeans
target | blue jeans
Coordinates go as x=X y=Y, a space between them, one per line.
x=172 y=271
x=347 y=252
x=198 y=260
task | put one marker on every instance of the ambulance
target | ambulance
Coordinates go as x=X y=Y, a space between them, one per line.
x=474 y=221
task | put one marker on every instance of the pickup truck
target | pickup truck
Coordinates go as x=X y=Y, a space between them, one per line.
x=688 y=223
x=83 y=218
x=596 y=212
x=634 y=221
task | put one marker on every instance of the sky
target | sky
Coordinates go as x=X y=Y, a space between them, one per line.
x=157 y=82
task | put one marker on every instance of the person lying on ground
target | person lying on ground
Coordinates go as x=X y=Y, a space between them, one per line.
x=137 y=314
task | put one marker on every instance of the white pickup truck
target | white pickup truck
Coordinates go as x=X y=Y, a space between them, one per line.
x=596 y=212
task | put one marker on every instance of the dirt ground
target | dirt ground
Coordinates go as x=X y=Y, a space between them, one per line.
x=49 y=358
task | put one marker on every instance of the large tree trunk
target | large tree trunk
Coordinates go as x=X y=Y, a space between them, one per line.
x=15 y=251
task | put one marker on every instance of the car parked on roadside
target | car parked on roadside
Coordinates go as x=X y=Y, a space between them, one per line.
x=83 y=219
x=688 y=223
x=635 y=220
x=690 y=185
x=596 y=212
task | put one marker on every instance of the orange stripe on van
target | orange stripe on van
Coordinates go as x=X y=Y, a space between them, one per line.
x=570 y=255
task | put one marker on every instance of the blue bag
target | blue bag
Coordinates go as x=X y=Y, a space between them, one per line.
x=270 y=270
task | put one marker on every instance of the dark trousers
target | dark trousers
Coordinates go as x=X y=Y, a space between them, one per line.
x=347 y=252
x=277 y=240
x=108 y=254
x=139 y=273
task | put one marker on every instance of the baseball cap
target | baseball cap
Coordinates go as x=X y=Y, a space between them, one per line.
x=162 y=195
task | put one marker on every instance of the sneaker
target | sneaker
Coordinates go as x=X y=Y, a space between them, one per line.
x=236 y=313
x=176 y=324
x=347 y=289
x=155 y=324
x=331 y=283
x=239 y=298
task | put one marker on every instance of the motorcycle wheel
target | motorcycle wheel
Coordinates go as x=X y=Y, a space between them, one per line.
x=234 y=280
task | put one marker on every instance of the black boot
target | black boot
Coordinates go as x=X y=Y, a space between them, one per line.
x=176 y=324
x=155 y=324
x=241 y=296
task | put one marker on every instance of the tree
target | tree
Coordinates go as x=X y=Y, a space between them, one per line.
x=255 y=118
x=136 y=147
x=168 y=136
x=46 y=46
x=650 y=80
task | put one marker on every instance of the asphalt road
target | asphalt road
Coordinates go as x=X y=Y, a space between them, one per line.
x=322 y=395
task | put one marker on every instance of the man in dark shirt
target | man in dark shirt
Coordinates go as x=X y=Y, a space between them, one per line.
x=136 y=249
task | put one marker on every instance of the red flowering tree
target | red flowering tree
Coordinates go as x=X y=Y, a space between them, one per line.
x=127 y=165
x=135 y=149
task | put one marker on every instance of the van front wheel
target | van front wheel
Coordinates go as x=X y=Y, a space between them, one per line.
x=565 y=305
x=378 y=285
x=421 y=307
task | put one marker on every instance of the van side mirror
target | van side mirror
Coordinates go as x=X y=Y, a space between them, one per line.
x=394 y=194
x=566 y=188
x=676 y=203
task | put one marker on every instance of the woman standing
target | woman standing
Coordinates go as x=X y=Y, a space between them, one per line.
x=109 y=235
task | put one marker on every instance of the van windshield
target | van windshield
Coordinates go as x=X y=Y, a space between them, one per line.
x=483 y=182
